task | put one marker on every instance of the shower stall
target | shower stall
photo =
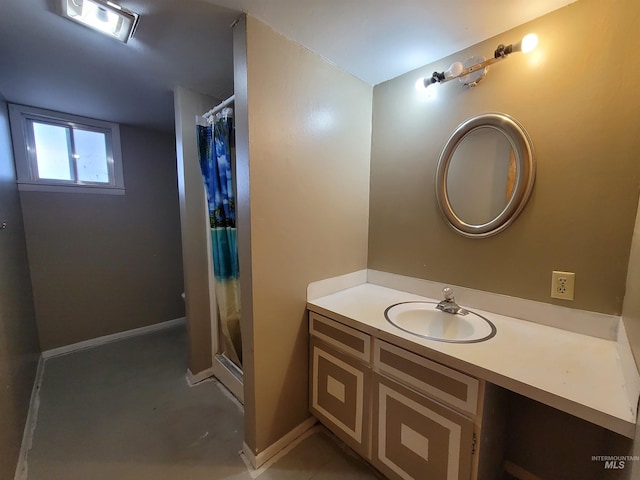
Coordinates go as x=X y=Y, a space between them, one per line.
x=216 y=156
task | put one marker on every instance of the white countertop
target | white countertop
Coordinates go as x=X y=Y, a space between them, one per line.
x=576 y=373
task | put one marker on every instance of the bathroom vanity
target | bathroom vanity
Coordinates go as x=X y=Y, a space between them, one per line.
x=418 y=408
x=411 y=417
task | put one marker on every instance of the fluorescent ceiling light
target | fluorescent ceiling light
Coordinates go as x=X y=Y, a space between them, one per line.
x=102 y=16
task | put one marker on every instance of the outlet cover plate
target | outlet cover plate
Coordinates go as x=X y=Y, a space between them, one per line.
x=562 y=285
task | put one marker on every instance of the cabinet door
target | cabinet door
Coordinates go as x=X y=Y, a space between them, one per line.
x=415 y=438
x=337 y=395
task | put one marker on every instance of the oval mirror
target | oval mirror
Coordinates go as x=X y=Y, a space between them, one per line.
x=485 y=175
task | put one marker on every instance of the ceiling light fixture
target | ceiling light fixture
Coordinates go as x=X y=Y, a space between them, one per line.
x=474 y=69
x=103 y=16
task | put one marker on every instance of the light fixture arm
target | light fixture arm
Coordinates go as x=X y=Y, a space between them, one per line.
x=440 y=77
x=528 y=43
x=478 y=66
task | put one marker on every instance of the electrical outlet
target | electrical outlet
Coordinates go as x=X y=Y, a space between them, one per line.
x=562 y=285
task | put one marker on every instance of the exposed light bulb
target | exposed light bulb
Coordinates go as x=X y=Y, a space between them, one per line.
x=529 y=42
x=421 y=85
x=424 y=83
x=426 y=88
x=454 y=70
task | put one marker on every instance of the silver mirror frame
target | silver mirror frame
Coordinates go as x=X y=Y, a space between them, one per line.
x=525 y=173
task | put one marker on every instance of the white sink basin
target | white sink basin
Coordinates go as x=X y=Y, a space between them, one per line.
x=424 y=320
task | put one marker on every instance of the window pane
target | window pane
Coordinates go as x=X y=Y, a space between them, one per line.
x=52 y=151
x=91 y=156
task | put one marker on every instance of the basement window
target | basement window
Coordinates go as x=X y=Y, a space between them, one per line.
x=57 y=152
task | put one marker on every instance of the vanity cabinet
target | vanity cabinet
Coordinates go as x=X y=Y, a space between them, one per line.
x=411 y=417
x=423 y=423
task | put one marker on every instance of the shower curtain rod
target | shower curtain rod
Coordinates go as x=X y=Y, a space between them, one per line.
x=219 y=107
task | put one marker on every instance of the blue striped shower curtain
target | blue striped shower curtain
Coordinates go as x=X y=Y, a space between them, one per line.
x=214 y=142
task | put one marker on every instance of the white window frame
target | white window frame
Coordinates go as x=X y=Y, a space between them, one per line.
x=21 y=117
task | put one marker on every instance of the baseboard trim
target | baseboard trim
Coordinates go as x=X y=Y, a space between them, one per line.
x=30 y=424
x=519 y=472
x=94 y=342
x=198 y=377
x=259 y=460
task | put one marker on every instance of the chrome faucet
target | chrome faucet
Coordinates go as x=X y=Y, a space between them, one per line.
x=449 y=305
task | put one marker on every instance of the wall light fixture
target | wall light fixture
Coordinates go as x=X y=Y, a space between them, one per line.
x=474 y=69
x=103 y=16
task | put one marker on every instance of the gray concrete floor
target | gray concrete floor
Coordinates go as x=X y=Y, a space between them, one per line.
x=124 y=411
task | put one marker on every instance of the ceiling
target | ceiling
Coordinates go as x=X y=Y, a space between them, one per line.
x=49 y=62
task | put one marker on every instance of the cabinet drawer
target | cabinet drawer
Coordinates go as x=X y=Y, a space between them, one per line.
x=340 y=336
x=339 y=395
x=431 y=378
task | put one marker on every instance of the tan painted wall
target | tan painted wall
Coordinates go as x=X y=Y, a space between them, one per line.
x=243 y=218
x=19 y=350
x=194 y=228
x=577 y=97
x=102 y=264
x=309 y=131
